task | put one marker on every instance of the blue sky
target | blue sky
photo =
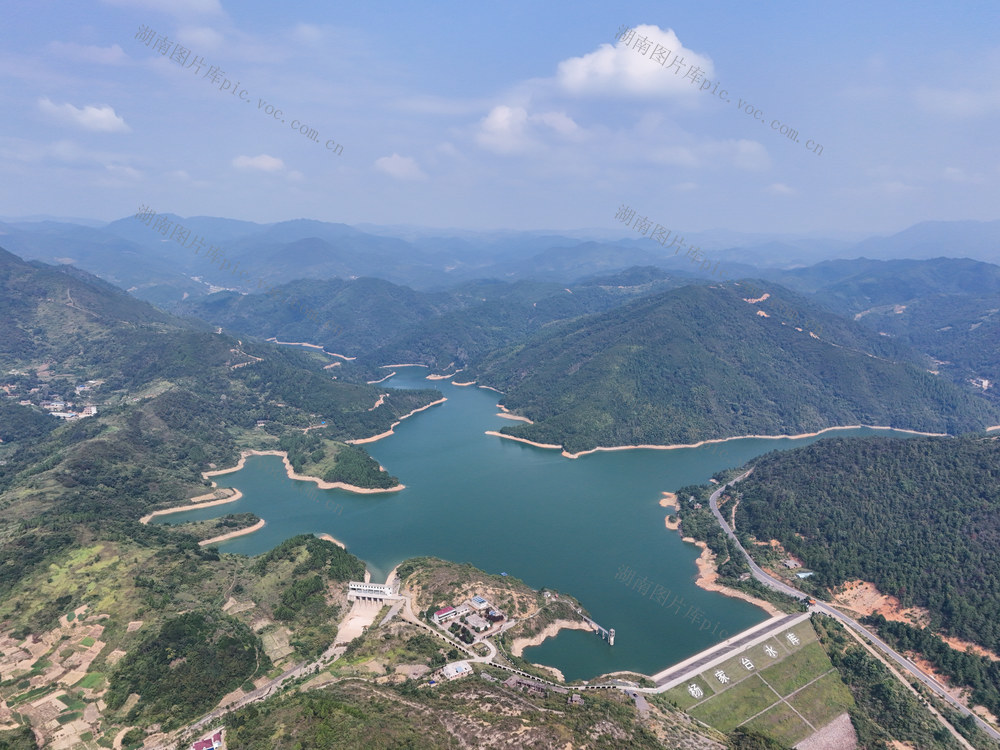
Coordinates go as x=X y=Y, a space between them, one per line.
x=520 y=115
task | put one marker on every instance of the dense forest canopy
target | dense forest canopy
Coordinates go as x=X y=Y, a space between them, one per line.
x=919 y=518
x=702 y=362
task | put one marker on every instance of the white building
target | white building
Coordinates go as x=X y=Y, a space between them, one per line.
x=477 y=623
x=360 y=589
x=479 y=604
x=456 y=670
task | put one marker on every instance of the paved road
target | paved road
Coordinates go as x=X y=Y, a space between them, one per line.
x=826 y=608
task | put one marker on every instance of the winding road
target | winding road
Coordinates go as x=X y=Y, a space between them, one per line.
x=827 y=609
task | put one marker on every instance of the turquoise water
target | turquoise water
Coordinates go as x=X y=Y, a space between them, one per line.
x=574 y=525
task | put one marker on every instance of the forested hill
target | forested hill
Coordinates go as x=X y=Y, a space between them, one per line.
x=380 y=322
x=947 y=308
x=919 y=518
x=172 y=400
x=712 y=361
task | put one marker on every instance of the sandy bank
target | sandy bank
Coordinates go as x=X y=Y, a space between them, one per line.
x=404 y=364
x=312 y=346
x=445 y=377
x=988 y=429
x=491 y=388
x=560 y=677
x=395 y=424
x=233 y=534
x=463 y=385
x=494 y=433
x=336 y=485
x=550 y=630
x=375 y=382
x=302 y=477
x=669 y=500
x=506 y=414
x=329 y=538
x=192 y=506
x=708 y=577
x=715 y=441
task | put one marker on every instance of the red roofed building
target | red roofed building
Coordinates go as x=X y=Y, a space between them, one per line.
x=443 y=615
x=209 y=743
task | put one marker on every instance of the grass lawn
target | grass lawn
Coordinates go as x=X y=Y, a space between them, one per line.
x=680 y=696
x=730 y=709
x=823 y=701
x=781 y=723
x=797 y=669
x=92 y=680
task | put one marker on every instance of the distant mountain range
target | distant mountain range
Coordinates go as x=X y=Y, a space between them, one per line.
x=136 y=257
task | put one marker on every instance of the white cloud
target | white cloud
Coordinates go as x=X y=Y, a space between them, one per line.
x=201 y=38
x=780 y=188
x=100 y=119
x=88 y=53
x=742 y=154
x=958 y=103
x=510 y=129
x=503 y=130
x=956 y=174
x=123 y=171
x=400 y=167
x=173 y=7
x=307 y=32
x=621 y=70
x=559 y=122
x=263 y=162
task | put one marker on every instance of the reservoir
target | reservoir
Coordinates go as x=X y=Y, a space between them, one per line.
x=574 y=525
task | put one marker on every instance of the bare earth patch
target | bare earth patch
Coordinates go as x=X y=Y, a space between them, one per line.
x=863 y=598
x=837 y=735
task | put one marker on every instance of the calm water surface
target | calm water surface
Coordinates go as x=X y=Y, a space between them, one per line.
x=577 y=526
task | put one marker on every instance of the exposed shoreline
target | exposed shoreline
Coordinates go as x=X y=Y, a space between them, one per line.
x=237 y=494
x=549 y=631
x=405 y=364
x=233 y=534
x=445 y=377
x=708 y=575
x=387 y=433
x=506 y=414
x=669 y=500
x=463 y=385
x=375 y=382
x=494 y=433
x=290 y=471
x=192 y=506
x=329 y=538
x=714 y=441
x=311 y=346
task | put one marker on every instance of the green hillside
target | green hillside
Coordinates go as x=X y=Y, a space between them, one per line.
x=946 y=308
x=380 y=322
x=702 y=362
x=919 y=518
